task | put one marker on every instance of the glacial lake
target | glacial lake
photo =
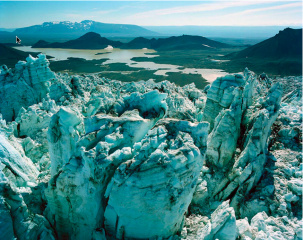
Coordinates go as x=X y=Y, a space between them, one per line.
x=124 y=56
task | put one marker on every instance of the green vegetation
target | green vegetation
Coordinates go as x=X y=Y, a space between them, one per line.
x=89 y=40
x=178 y=78
x=279 y=67
x=122 y=72
x=204 y=59
x=280 y=55
x=184 y=42
x=101 y=53
x=281 y=59
x=80 y=65
x=10 y=56
x=77 y=65
x=184 y=79
x=134 y=76
x=185 y=59
x=190 y=58
x=152 y=53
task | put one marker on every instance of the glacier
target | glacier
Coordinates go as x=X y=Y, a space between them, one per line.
x=85 y=157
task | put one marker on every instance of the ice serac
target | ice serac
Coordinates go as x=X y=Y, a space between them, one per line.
x=64 y=130
x=222 y=224
x=220 y=96
x=26 y=85
x=35 y=118
x=20 y=223
x=6 y=222
x=238 y=142
x=99 y=158
x=244 y=230
x=150 y=193
x=18 y=180
x=18 y=168
x=223 y=139
x=86 y=152
x=253 y=157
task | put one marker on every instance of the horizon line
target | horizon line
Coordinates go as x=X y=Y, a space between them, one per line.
x=284 y=25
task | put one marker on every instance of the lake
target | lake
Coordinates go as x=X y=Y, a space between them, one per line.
x=124 y=56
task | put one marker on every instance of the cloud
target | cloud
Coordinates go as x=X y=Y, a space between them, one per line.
x=205 y=7
x=91 y=15
x=284 y=6
x=257 y=12
x=73 y=15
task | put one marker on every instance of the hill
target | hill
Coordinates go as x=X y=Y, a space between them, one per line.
x=10 y=56
x=89 y=40
x=138 y=43
x=281 y=54
x=184 y=42
x=287 y=44
x=93 y=40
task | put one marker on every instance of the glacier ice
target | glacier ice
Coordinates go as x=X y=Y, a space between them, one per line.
x=27 y=84
x=156 y=186
x=85 y=157
x=222 y=224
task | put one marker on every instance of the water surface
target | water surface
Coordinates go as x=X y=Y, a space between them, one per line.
x=124 y=56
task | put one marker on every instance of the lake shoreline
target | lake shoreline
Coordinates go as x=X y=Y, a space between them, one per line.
x=77 y=61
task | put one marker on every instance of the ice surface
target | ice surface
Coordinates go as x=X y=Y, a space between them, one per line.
x=84 y=157
x=24 y=86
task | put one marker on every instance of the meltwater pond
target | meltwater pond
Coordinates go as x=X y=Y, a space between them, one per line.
x=124 y=56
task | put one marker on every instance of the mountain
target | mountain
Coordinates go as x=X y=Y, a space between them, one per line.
x=184 y=42
x=138 y=43
x=230 y=32
x=6 y=37
x=89 y=40
x=280 y=55
x=66 y=30
x=93 y=40
x=75 y=29
x=7 y=29
x=287 y=44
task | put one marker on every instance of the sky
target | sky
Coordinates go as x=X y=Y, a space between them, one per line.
x=154 y=13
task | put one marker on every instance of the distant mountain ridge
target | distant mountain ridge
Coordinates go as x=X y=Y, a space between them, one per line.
x=66 y=30
x=183 y=42
x=89 y=40
x=93 y=40
x=75 y=28
x=281 y=54
x=240 y=32
x=287 y=44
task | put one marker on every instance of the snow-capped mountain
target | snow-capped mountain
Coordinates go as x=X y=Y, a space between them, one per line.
x=78 y=28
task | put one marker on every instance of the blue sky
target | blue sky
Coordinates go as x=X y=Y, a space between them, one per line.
x=154 y=13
